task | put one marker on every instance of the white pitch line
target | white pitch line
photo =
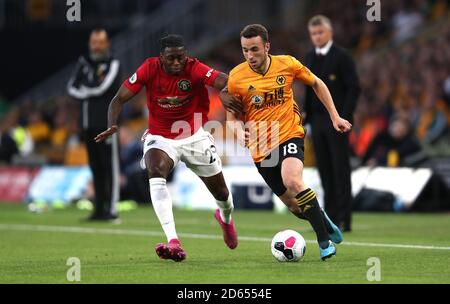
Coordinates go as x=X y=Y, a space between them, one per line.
x=74 y=229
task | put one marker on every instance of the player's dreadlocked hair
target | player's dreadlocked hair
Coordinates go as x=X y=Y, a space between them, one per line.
x=171 y=40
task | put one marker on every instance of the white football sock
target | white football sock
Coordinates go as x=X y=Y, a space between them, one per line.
x=226 y=208
x=162 y=204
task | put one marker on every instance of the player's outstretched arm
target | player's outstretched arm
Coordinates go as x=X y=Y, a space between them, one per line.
x=114 y=109
x=341 y=125
x=221 y=81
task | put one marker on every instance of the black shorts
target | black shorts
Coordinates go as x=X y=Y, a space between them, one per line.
x=270 y=167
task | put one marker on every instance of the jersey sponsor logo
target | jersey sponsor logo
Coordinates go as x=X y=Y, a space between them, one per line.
x=172 y=101
x=209 y=73
x=281 y=79
x=184 y=85
x=257 y=100
x=133 y=78
x=270 y=99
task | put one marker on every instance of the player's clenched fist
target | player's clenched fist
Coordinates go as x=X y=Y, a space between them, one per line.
x=341 y=125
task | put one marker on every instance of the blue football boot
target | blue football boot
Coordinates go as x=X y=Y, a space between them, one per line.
x=333 y=230
x=327 y=252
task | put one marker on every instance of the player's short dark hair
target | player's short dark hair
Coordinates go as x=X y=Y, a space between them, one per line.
x=171 y=40
x=255 y=30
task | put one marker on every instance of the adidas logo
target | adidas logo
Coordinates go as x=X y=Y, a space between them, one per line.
x=307 y=207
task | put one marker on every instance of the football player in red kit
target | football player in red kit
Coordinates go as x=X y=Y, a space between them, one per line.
x=178 y=104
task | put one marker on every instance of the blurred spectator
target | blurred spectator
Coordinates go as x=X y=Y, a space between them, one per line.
x=8 y=146
x=55 y=150
x=395 y=147
x=365 y=128
x=38 y=128
x=11 y=129
x=432 y=122
x=406 y=22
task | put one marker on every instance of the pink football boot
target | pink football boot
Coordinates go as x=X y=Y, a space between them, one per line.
x=171 y=251
x=229 y=232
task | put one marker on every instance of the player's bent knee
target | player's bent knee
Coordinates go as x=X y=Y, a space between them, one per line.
x=156 y=171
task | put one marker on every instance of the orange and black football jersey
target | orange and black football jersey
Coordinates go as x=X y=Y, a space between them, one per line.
x=270 y=112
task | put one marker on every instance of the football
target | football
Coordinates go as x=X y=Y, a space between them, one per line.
x=288 y=246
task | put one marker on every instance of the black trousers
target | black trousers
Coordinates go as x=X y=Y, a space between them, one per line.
x=104 y=164
x=332 y=153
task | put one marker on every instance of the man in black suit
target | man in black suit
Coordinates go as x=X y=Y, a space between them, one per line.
x=336 y=68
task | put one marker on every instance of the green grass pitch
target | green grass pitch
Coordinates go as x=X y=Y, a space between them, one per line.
x=34 y=248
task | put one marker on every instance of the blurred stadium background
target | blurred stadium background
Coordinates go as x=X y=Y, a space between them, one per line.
x=403 y=63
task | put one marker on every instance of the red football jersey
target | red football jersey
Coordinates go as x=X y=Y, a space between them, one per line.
x=174 y=100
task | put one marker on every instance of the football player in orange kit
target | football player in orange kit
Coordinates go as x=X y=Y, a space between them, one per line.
x=274 y=133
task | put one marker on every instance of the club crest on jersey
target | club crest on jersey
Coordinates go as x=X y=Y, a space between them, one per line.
x=281 y=79
x=184 y=85
x=257 y=100
x=101 y=69
x=133 y=78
